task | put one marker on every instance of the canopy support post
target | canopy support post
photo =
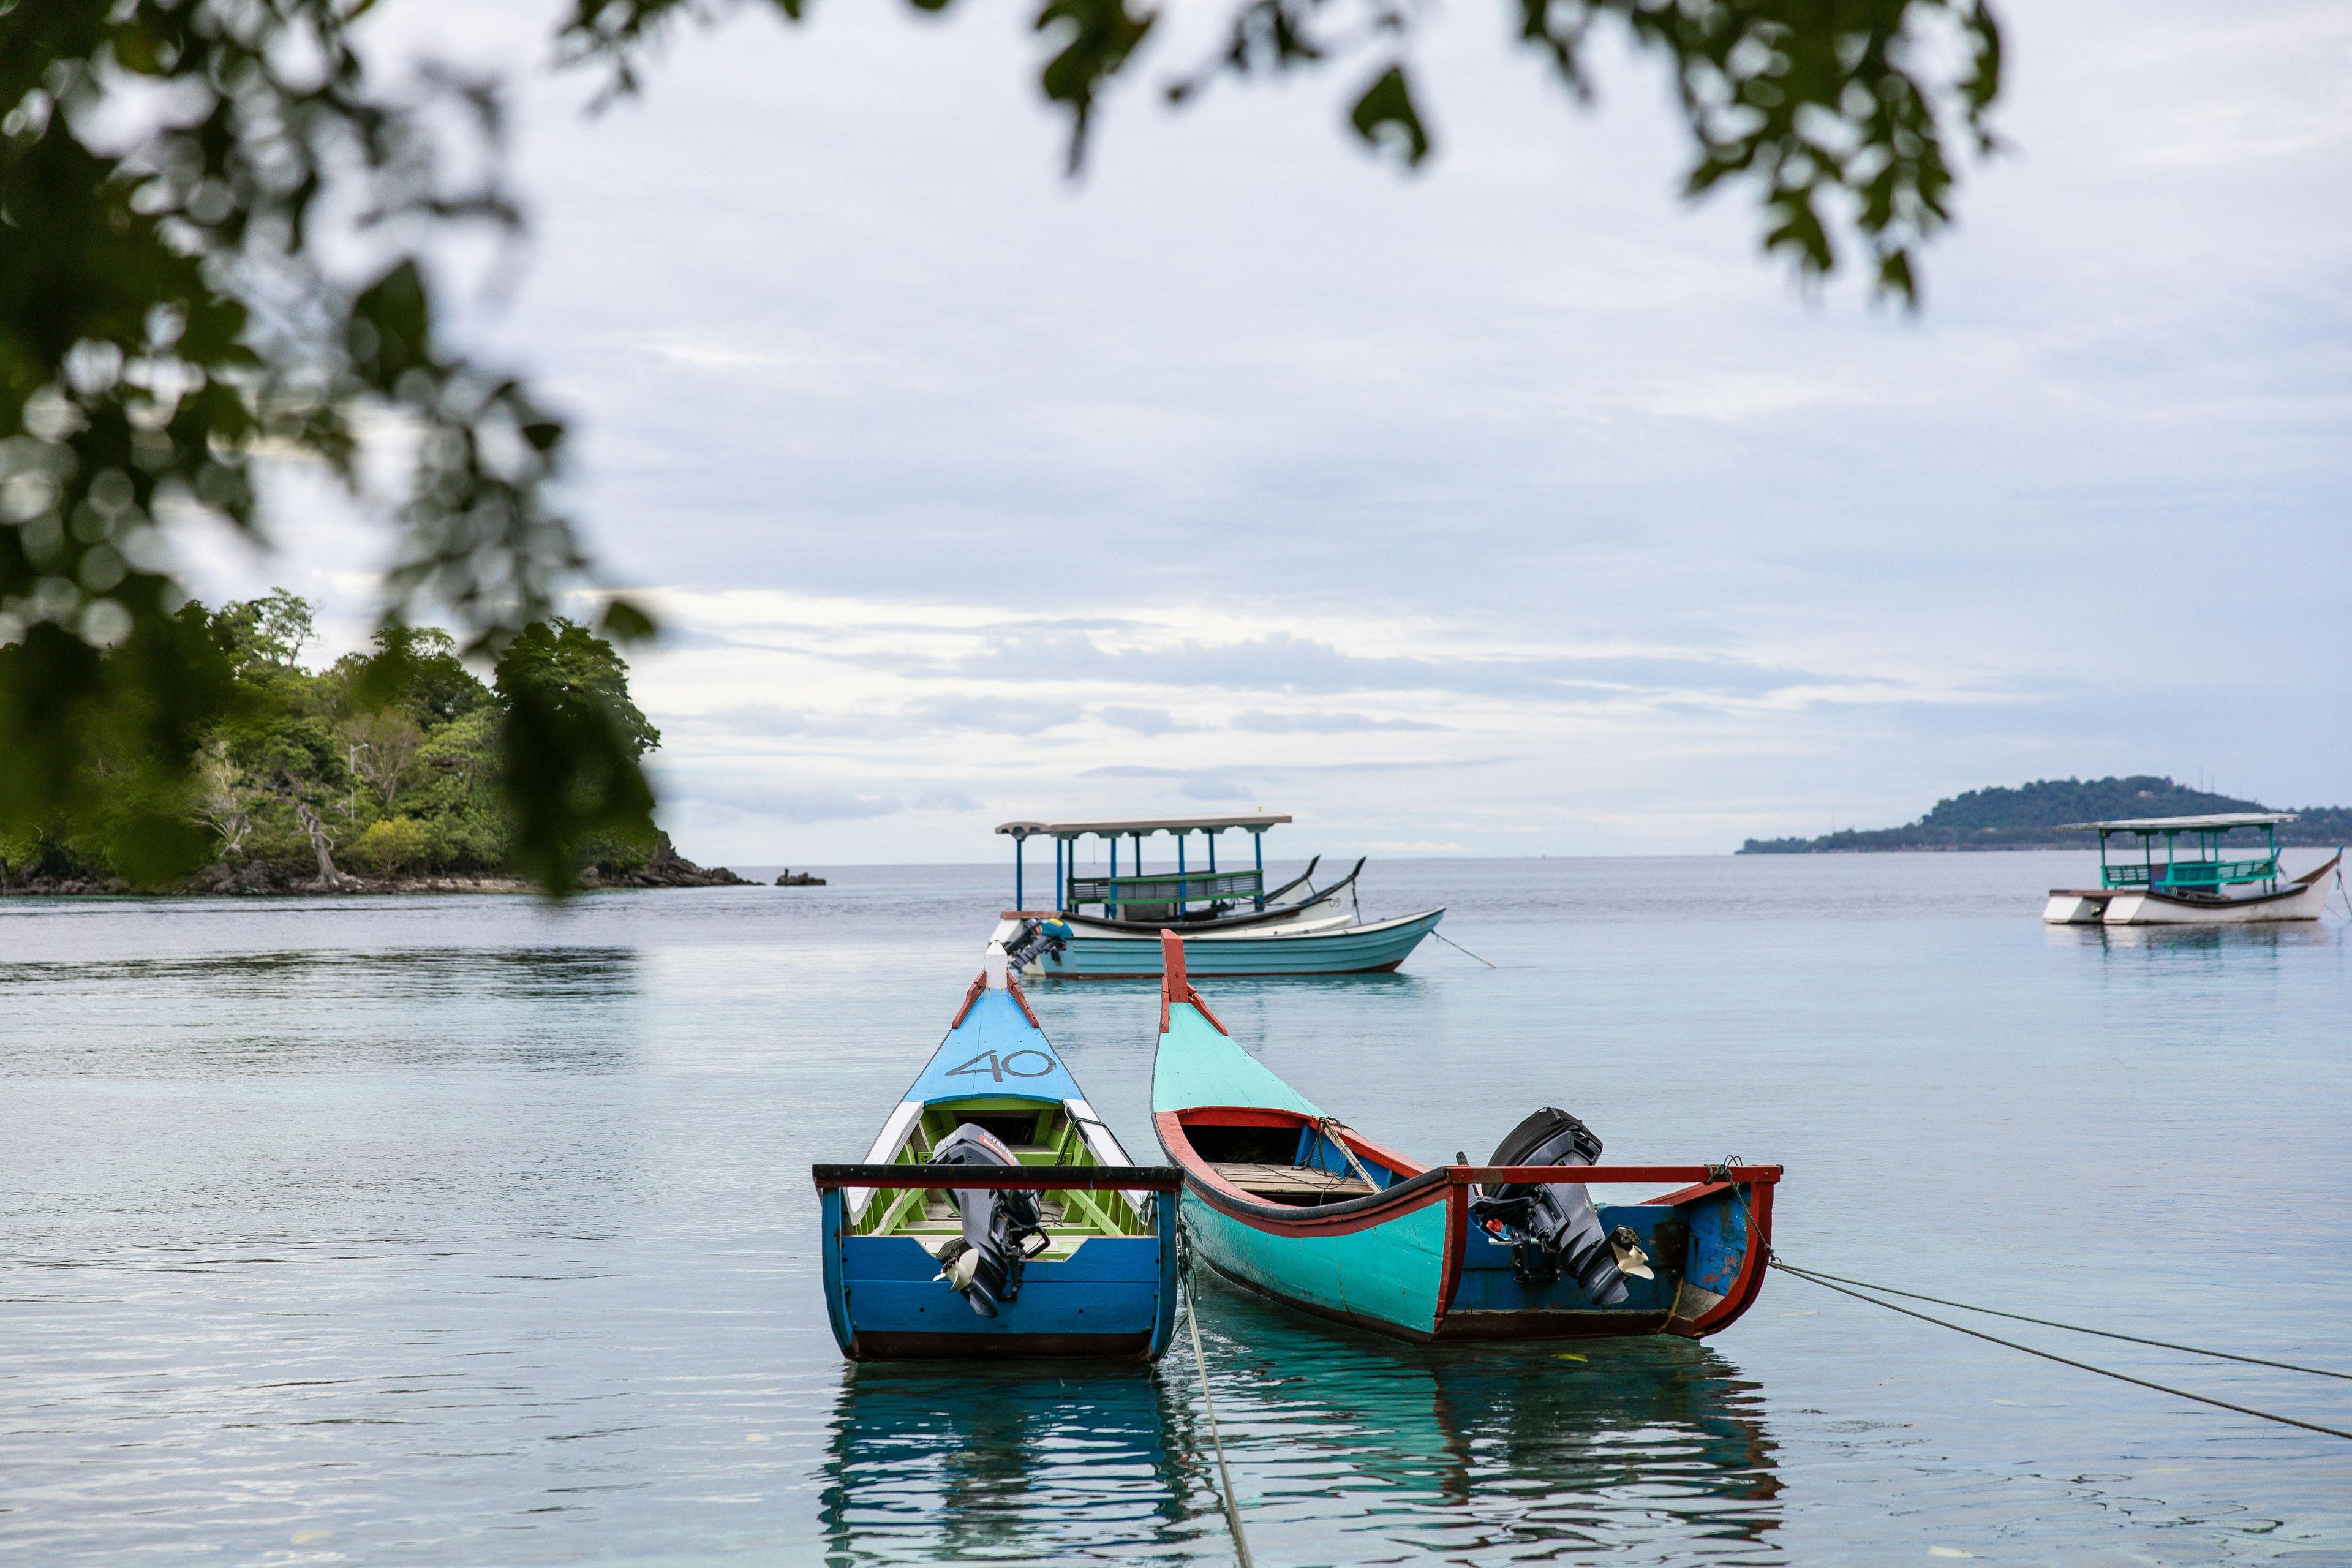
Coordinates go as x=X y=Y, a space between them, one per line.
x=1061 y=881
x=1020 y=841
x=1110 y=894
x=1257 y=850
x=1179 y=876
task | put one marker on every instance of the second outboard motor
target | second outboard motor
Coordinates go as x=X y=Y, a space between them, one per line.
x=1554 y=1226
x=1037 y=942
x=1001 y=1229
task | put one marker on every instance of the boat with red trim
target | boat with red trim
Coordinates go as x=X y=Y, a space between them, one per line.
x=1291 y=1203
x=995 y=1216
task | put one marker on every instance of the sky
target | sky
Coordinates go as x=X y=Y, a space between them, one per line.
x=1514 y=507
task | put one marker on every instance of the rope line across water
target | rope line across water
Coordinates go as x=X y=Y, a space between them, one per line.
x=1817 y=1276
x=2065 y=1361
x=1232 y=1509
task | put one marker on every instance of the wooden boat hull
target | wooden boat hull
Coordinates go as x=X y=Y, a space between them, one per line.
x=1392 y=1246
x=1418 y=1268
x=1104 y=1284
x=1113 y=1298
x=2302 y=898
x=1306 y=947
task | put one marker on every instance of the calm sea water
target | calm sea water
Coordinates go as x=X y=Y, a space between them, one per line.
x=461 y=1231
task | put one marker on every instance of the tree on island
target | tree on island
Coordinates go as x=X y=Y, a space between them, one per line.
x=390 y=762
x=178 y=180
x=2029 y=816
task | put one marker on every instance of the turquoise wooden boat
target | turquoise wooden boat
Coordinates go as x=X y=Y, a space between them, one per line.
x=1286 y=1200
x=995 y=1216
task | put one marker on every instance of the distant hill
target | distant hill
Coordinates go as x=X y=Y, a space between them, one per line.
x=2027 y=817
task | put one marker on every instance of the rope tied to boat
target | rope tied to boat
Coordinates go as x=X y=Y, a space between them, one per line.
x=1200 y=1361
x=1825 y=1281
x=1458 y=947
x=1330 y=1126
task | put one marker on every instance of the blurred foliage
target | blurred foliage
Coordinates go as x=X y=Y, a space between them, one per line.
x=399 y=755
x=213 y=221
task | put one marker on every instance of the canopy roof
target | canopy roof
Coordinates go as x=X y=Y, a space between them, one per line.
x=2179 y=824
x=1256 y=822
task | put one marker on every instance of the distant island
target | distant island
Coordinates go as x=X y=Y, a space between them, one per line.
x=375 y=775
x=2028 y=816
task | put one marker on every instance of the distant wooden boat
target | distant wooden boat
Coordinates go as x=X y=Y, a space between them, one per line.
x=995 y=1214
x=1107 y=926
x=1288 y=1202
x=2191 y=883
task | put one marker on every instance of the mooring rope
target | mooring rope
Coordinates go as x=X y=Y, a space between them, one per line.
x=1459 y=947
x=1200 y=1361
x=2074 y=1328
x=2065 y=1361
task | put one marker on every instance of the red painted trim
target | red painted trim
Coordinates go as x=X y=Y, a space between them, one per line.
x=1014 y=986
x=1457 y=1244
x=1494 y=1175
x=979 y=985
x=1023 y=1178
x=1174 y=987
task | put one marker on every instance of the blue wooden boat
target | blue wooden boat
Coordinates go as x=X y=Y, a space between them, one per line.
x=995 y=1214
x=1286 y=1200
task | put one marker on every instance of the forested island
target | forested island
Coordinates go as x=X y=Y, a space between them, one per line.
x=2028 y=817
x=377 y=774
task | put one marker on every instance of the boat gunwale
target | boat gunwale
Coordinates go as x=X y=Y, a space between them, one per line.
x=826 y=1175
x=1415 y=1189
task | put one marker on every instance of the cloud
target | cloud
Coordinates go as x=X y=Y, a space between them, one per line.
x=1266 y=723
x=737 y=799
x=1281 y=662
x=945 y=800
x=1140 y=720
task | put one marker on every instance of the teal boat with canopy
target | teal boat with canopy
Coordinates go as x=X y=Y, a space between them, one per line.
x=1290 y=1202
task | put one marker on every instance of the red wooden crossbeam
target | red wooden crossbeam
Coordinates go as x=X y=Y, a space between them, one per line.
x=1027 y=1178
x=1493 y=1175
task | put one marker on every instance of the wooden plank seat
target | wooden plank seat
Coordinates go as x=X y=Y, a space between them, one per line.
x=1285 y=1184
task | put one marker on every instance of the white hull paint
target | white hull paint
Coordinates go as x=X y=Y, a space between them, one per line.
x=2131 y=907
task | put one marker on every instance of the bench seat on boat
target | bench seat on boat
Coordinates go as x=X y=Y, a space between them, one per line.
x=1285 y=1184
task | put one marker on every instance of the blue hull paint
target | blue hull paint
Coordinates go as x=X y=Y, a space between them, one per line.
x=1349 y=951
x=1114 y=1296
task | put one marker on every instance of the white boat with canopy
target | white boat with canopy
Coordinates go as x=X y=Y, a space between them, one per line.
x=1105 y=924
x=2198 y=880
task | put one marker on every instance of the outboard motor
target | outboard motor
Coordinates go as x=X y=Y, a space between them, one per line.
x=1001 y=1229
x=1037 y=942
x=1554 y=1226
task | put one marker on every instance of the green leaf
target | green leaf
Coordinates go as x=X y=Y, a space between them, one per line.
x=1387 y=120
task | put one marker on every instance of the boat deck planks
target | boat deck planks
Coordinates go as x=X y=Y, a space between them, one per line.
x=1290 y=1181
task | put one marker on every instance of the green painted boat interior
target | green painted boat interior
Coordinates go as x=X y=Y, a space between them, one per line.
x=1038 y=1132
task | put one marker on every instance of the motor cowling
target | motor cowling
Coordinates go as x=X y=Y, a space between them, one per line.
x=1001 y=1225
x=1037 y=942
x=1553 y=1228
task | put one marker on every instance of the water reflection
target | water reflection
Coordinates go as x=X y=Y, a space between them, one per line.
x=273 y=1012
x=1044 y=1463
x=1344 y=1449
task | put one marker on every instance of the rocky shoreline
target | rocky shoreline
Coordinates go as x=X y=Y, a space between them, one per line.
x=667 y=869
